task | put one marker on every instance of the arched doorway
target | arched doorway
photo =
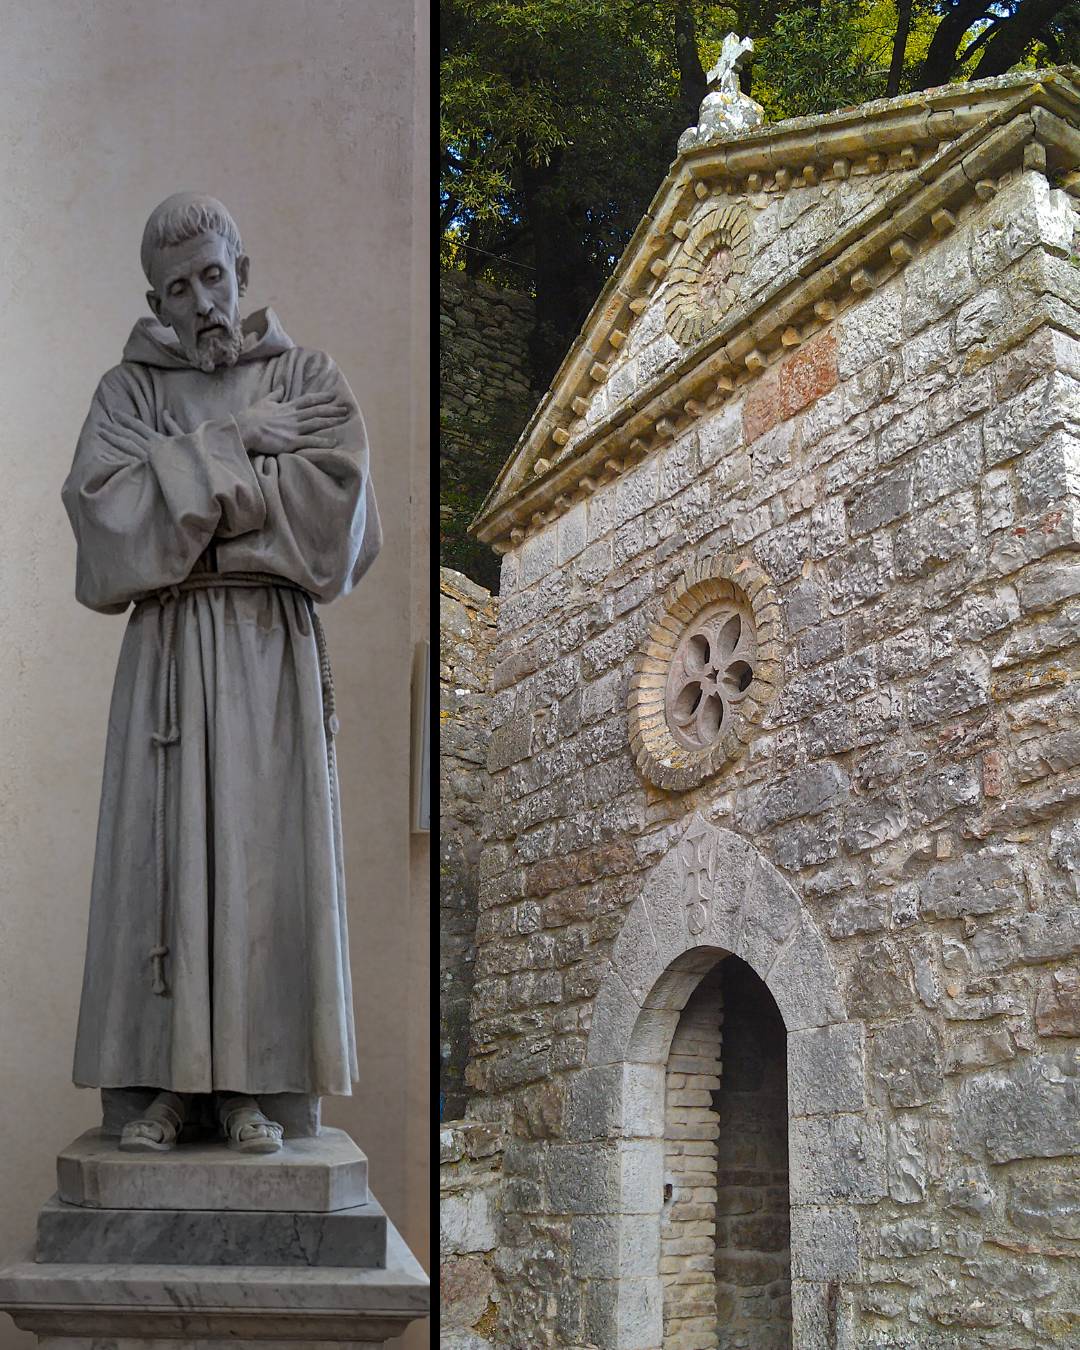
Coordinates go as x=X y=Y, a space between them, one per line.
x=688 y=1220
x=713 y=896
x=725 y=1224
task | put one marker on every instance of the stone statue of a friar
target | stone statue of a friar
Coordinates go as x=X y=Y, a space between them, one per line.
x=220 y=489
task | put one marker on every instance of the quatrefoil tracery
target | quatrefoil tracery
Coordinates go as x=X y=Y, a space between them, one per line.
x=711 y=671
x=705 y=673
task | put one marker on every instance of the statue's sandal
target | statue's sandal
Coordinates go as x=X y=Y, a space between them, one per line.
x=155 y=1131
x=247 y=1129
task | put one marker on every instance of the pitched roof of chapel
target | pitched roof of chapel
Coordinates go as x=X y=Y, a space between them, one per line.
x=926 y=154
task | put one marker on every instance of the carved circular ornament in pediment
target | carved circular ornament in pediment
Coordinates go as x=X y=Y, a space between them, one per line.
x=705 y=673
x=707 y=272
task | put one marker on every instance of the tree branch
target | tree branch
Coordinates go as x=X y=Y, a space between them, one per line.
x=447 y=214
x=941 y=55
x=981 y=41
x=1049 y=40
x=693 y=86
x=450 y=160
x=896 y=68
x=1015 y=35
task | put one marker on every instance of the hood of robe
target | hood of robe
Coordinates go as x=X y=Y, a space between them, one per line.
x=152 y=344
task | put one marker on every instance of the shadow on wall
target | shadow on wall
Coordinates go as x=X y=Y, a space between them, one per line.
x=753 y=1225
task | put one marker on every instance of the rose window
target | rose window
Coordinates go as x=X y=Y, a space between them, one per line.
x=711 y=672
x=705 y=674
x=706 y=274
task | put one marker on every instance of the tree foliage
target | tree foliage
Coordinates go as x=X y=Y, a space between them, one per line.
x=556 y=126
x=814 y=59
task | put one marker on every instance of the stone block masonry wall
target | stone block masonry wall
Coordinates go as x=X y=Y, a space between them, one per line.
x=466 y=647
x=914 y=496
x=485 y=399
x=688 y=1222
x=753 y=1260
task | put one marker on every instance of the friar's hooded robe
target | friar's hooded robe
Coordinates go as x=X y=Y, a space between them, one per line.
x=229 y=865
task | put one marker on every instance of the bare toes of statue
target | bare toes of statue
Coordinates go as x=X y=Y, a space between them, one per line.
x=246 y=1128
x=156 y=1130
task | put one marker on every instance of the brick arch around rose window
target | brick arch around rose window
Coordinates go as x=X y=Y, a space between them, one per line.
x=713 y=895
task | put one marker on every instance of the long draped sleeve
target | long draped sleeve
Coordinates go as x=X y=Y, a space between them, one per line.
x=321 y=528
x=141 y=523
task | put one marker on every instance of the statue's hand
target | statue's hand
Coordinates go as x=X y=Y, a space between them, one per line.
x=271 y=427
x=130 y=436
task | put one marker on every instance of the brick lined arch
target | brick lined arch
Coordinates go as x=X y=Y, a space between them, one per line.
x=710 y=896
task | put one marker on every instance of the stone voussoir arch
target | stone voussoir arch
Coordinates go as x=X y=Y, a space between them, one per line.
x=711 y=895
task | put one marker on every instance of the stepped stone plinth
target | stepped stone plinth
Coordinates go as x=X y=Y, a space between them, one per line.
x=355 y=1236
x=129 y=1306
x=203 y=1248
x=317 y=1175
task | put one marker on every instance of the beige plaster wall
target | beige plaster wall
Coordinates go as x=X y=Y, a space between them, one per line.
x=309 y=120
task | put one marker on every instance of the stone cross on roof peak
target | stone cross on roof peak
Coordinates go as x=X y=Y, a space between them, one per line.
x=725 y=110
x=724 y=75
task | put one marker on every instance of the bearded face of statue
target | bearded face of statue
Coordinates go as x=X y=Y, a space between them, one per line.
x=197 y=285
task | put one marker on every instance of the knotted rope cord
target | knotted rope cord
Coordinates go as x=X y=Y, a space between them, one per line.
x=330 y=721
x=169 y=727
x=168 y=734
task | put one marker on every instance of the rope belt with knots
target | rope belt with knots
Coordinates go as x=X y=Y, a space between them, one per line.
x=168 y=732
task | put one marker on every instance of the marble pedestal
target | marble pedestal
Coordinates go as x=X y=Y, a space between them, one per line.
x=178 y=1237
x=203 y=1248
x=83 y=1306
x=315 y=1175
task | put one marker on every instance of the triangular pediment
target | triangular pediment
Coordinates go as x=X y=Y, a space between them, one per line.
x=738 y=261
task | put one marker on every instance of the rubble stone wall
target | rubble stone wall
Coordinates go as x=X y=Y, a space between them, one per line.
x=466 y=646
x=485 y=400
x=470 y=1169
x=484 y=353
x=909 y=479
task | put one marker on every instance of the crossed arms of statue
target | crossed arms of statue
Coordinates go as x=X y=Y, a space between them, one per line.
x=269 y=427
x=281 y=486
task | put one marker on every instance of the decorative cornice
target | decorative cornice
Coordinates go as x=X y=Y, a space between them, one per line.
x=988 y=128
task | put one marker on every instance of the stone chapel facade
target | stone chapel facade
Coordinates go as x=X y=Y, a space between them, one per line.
x=776 y=1011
